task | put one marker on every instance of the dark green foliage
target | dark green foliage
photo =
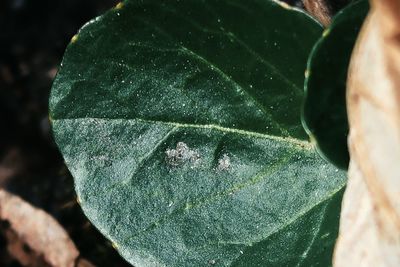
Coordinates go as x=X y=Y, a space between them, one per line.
x=179 y=121
x=324 y=113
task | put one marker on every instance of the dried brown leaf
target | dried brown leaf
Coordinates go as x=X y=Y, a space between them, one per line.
x=320 y=9
x=38 y=231
x=370 y=221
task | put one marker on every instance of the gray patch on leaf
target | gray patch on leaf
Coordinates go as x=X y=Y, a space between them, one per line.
x=212 y=262
x=182 y=154
x=224 y=163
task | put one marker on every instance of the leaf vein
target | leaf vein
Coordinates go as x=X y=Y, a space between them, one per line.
x=189 y=52
x=151 y=152
x=258 y=177
x=305 y=145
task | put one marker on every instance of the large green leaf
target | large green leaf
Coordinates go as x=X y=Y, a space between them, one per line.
x=180 y=122
x=324 y=112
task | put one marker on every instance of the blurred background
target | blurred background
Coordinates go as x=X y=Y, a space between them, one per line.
x=33 y=37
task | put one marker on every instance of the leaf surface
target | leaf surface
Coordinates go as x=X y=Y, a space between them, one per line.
x=179 y=121
x=324 y=111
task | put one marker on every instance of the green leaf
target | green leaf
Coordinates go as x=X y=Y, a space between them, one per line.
x=324 y=110
x=180 y=122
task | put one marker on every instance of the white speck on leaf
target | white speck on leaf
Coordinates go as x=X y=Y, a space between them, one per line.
x=182 y=154
x=224 y=163
x=212 y=262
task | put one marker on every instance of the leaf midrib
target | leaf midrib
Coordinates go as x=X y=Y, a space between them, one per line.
x=301 y=144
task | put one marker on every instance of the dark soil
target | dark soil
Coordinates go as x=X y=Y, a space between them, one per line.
x=33 y=37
